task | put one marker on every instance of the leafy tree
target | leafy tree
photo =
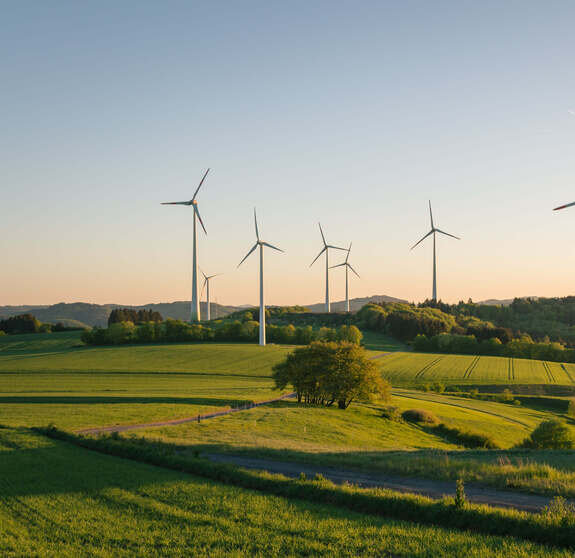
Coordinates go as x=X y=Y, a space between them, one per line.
x=327 y=373
x=24 y=323
x=350 y=333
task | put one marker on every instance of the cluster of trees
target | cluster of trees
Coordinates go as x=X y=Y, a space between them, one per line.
x=28 y=323
x=25 y=323
x=222 y=330
x=541 y=318
x=327 y=373
x=524 y=347
x=135 y=316
x=405 y=321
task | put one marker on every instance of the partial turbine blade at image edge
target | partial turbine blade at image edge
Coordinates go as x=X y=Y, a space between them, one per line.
x=564 y=206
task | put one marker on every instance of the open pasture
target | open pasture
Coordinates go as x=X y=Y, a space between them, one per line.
x=50 y=379
x=421 y=368
x=105 y=506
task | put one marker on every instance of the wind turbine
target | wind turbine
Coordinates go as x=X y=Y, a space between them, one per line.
x=433 y=231
x=325 y=249
x=195 y=310
x=207 y=285
x=347 y=266
x=261 y=245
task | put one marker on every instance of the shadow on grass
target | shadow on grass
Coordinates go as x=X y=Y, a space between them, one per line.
x=120 y=400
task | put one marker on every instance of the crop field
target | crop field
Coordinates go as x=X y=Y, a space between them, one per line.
x=422 y=368
x=80 y=503
x=49 y=379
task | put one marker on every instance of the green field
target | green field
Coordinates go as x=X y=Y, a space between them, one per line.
x=80 y=503
x=50 y=379
x=421 y=368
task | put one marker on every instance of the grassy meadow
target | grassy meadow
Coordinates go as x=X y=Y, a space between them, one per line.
x=52 y=378
x=82 y=503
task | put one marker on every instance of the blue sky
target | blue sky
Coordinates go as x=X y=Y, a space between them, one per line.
x=351 y=113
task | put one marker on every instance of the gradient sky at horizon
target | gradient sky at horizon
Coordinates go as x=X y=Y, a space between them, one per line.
x=352 y=114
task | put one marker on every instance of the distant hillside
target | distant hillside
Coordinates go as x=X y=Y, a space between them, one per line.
x=355 y=304
x=97 y=314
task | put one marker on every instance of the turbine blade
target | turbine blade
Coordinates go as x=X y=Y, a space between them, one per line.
x=420 y=241
x=563 y=206
x=270 y=246
x=200 y=218
x=246 y=256
x=430 y=214
x=348 y=251
x=335 y=247
x=177 y=203
x=349 y=265
x=200 y=185
x=322 y=251
x=256 y=223
x=338 y=265
x=447 y=234
x=322 y=236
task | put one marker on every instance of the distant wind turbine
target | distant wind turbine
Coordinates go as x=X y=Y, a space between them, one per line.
x=325 y=249
x=207 y=286
x=261 y=245
x=347 y=266
x=432 y=232
x=195 y=310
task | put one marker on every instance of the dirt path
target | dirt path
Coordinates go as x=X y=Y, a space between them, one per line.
x=175 y=422
x=434 y=489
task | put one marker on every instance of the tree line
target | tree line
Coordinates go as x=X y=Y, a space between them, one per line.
x=28 y=323
x=119 y=333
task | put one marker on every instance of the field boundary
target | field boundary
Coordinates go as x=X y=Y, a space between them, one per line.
x=175 y=422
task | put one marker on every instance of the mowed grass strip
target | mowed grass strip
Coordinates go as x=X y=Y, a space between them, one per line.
x=81 y=503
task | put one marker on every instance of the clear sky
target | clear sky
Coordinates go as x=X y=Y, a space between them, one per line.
x=351 y=113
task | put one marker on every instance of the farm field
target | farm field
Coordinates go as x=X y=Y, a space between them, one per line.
x=47 y=379
x=105 y=506
x=420 y=368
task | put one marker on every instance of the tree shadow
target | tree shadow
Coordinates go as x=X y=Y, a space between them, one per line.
x=121 y=399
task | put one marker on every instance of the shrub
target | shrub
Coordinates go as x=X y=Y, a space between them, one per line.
x=420 y=415
x=550 y=434
x=560 y=510
x=467 y=438
x=392 y=413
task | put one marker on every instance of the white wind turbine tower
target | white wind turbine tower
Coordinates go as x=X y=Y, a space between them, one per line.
x=261 y=245
x=347 y=266
x=325 y=249
x=207 y=286
x=433 y=231
x=195 y=311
